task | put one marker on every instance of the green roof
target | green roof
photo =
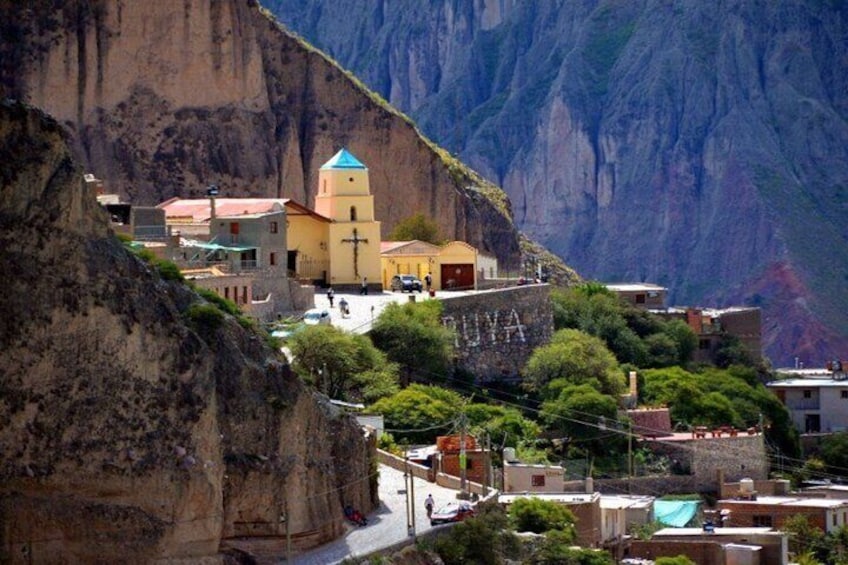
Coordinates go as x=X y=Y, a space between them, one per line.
x=343 y=160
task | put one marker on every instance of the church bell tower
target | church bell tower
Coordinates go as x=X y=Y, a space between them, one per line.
x=344 y=196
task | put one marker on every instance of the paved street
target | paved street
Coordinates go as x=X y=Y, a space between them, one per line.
x=363 y=307
x=386 y=526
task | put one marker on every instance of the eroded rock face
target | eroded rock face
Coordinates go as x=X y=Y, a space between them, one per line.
x=131 y=425
x=165 y=98
x=698 y=145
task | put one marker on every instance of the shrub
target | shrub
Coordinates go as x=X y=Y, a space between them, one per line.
x=540 y=516
x=205 y=318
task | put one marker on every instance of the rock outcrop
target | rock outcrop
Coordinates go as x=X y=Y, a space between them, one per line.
x=137 y=422
x=165 y=98
x=702 y=146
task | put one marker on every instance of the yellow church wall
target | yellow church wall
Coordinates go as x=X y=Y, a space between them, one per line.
x=338 y=208
x=341 y=253
x=343 y=182
x=308 y=236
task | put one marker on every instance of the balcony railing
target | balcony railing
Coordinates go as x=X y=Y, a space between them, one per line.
x=802 y=403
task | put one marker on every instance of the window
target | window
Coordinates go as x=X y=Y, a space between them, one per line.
x=273 y=259
x=324 y=187
x=808 y=394
x=244 y=295
x=273 y=227
x=234 y=228
x=844 y=394
x=537 y=480
x=353 y=213
x=703 y=344
x=761 y=521
x=640 y=299
x=834 y=517
x=227 y=292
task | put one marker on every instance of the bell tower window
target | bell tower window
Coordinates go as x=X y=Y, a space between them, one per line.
x=353 y=213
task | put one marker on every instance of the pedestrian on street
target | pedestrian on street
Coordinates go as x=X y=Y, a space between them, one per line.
x=428 y=280
x=364 y=288
x=428 y=504
x=343 y=308
x=330 y=296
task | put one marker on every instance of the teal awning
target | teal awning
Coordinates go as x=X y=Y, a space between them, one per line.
x=675 y=513
x=218 y=247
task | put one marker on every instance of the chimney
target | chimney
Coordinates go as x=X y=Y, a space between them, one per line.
x=212 y=192
x=633 y=385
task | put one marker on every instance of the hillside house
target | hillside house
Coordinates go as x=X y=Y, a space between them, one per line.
x=826 y=514
x=817 y=399
x=641 y=295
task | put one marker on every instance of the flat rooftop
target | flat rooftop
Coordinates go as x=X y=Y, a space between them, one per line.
x=791 y=501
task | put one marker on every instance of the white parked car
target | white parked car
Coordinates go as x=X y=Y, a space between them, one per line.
x=317 y=317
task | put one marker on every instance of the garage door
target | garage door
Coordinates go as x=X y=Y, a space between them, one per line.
x=458 y=276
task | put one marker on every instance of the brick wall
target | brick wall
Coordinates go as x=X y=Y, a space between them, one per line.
x=701 y=552
x=496 y=331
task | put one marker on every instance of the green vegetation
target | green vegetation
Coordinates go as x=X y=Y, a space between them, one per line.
x=576 y=358
x=412 y=335
x=204 y=318
x=418 y=226
x=540 y=516
x=343 y=366
x=719 y=397
x=679 y=560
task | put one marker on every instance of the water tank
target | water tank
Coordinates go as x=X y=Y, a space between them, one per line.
x=746 y=486
x=509 y=455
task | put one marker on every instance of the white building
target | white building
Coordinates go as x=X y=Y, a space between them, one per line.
x=817 y=399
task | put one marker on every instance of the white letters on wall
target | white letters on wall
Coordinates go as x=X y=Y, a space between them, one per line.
x=473 y=330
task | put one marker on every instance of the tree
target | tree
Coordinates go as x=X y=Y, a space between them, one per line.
x=418 y=226
x=419 y=413
x=412 y=335
x=556 y=549
x=506 y=426
x=482 y=540
x=540 y=516
x=341 y=365
x=804 y=537
x=577 y=357
x=585 y=416
x=662 y=350
x=834 y=453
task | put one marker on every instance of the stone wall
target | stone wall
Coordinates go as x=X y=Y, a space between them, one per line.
x=496 y=331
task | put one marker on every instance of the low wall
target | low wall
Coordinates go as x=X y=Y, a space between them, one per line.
x=402 y=464
x=497 y=330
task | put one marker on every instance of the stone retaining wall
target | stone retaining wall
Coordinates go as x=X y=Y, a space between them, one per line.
x=497 y=330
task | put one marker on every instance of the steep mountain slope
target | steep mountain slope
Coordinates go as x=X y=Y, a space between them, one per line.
x=165 y=98
x=135 y=424
x=700 y=145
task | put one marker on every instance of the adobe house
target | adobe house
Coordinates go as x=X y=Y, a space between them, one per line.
x=453 y=266
x=717 y=546
x=827 y=514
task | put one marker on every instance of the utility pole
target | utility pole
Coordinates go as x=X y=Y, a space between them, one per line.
x=629 y=456
x=412 y=501
x=487 y=461
x=462 y=457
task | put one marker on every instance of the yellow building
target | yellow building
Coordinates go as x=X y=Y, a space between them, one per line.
x=452 y=266
x=353 y=239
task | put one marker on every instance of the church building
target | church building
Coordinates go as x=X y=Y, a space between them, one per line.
x=353 y=240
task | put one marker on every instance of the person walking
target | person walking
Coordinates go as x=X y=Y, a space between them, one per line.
x=330 y=296
x=364 y=288
x=343 y=308
x=428 y=280
x=429 y=503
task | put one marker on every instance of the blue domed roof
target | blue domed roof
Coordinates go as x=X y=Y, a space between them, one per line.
x=343 y=160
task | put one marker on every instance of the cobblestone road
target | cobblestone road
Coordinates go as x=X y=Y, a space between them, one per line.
x=386 y=526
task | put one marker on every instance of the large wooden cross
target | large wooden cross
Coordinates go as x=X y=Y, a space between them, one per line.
x=355 y=240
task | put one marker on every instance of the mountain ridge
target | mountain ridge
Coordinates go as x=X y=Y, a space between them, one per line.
x=696 y=146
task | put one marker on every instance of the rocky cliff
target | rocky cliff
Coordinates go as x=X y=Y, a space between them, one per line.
x=165 y=98
x=137 y=423
x=699 y=145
